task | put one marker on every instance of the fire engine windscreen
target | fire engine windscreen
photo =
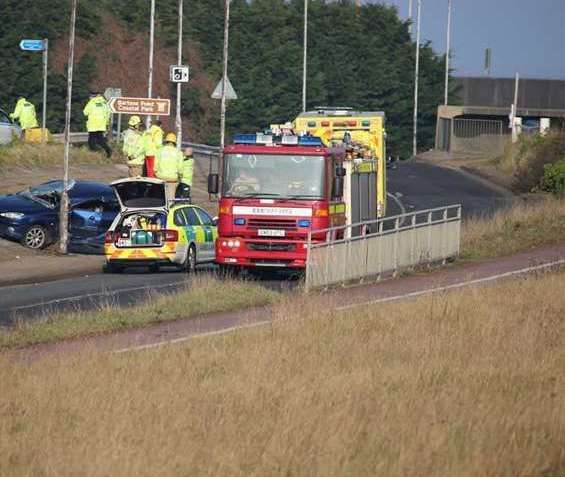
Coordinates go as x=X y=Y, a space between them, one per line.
x=266 y=175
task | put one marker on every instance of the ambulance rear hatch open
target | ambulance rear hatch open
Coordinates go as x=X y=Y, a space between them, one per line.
x=140 y=193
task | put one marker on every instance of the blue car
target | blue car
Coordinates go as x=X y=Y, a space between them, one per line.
x=32 y=215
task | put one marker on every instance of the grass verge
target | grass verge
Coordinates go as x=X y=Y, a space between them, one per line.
x=33 y=155
x=466 y=383
x=516 y=229
x=203 y=295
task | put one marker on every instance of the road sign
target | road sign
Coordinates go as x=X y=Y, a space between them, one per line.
x=112 y=93
x=32 y=45
x=141 y=106
x=179 y=73
x=230 y=92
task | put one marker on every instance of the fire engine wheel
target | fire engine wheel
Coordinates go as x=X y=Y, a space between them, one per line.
x=229 y=271
x=190 y=264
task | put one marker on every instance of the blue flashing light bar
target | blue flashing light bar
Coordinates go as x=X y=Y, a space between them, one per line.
x=239 y=221
x=304 y=223
x=310 y=141
x=252 y=139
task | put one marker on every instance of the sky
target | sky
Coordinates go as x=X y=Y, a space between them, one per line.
x=525 y=36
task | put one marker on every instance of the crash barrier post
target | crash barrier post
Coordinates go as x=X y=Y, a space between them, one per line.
x=342 y=254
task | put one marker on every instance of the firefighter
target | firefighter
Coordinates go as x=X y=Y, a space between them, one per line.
x=153 y=146
x=167 y=165
x=186 y=169
x=24 y=112
x=133 y=147
x=97 y=113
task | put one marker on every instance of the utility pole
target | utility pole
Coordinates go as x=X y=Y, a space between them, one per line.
x=44 y=114
x=150 y=69
x=410 y=16
x=64 y=207
x=514 y=110
x=179 y=62
x=224 y=81
x=305 y=59
x=447 y=52
x=416 y=77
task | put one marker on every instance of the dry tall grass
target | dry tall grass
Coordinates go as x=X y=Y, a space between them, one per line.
x=33 y=155
x=512 y=230
x=470 y=383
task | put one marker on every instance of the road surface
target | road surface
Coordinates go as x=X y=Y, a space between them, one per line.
x=412 y=186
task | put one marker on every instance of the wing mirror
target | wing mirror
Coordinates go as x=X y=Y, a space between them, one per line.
x=337 y=187
x=215 y=220
x=213 y=183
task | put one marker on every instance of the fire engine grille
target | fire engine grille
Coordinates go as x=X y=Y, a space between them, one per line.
x=271 y=247
x=284 y=224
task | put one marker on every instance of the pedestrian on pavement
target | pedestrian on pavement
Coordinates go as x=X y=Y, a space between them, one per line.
x=97 y=113
x=186 y=169
x=24 y=113
x=167 y=165
x=133 y=147
x=154 y=145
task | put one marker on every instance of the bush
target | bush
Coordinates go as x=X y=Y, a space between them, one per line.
x=532 y=156
x=553 y=179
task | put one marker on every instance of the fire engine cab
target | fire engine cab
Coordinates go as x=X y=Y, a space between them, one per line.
x=274 y=189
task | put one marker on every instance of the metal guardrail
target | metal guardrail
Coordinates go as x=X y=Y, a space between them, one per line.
x=202 y=149
x=382 y=246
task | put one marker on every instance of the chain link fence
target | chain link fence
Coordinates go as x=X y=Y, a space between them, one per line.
x=482 y=136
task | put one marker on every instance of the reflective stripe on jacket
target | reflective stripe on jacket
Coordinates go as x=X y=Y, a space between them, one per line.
x=98 y=114
x=24 y=112
x=167 y=163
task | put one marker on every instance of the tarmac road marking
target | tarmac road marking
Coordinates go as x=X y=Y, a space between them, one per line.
x=346 y=307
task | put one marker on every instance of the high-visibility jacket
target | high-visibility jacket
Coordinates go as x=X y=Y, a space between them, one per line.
x=186 y=169
x=24 y=112
x=156 y=142
x=97 y=113
x=133 y=147
x=167 y=163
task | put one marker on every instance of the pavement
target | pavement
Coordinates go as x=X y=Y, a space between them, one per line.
x=412 y=186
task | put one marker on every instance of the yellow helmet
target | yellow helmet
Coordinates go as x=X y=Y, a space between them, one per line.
x=171 y=137
x=134 y=121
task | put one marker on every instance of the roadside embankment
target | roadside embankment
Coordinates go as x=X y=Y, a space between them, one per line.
x=465 y=383
x=203 y=295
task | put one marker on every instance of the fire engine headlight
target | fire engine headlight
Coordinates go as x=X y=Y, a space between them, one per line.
x=224 y=244
x=230 y=243
x=236 y=243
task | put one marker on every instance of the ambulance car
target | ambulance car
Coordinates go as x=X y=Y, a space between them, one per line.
x=150 y=232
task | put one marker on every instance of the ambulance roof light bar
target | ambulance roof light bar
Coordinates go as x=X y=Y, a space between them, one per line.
x=334 y=111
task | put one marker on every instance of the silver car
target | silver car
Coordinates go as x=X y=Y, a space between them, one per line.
x=8 y=129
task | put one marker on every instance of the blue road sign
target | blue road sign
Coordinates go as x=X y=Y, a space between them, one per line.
x=31 y=45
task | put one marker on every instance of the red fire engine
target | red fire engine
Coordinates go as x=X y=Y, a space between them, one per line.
x=275 y=189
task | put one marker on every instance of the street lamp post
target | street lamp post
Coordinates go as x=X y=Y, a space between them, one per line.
x=447 y=52
x=179 y=62
x=64 y=206
x=150 y=69
x=410 y=16
x=416 y=77
x=224 y=80
x=305 y=59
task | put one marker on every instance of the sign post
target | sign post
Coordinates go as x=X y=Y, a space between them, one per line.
x=110 y=93
x=40 y=45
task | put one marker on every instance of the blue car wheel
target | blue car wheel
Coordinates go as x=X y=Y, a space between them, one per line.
x=36 y=237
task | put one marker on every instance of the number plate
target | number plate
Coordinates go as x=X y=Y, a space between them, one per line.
x=271 y=233
x=124 y=242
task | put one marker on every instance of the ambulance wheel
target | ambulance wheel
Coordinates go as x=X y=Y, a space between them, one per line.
x=190 y=264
